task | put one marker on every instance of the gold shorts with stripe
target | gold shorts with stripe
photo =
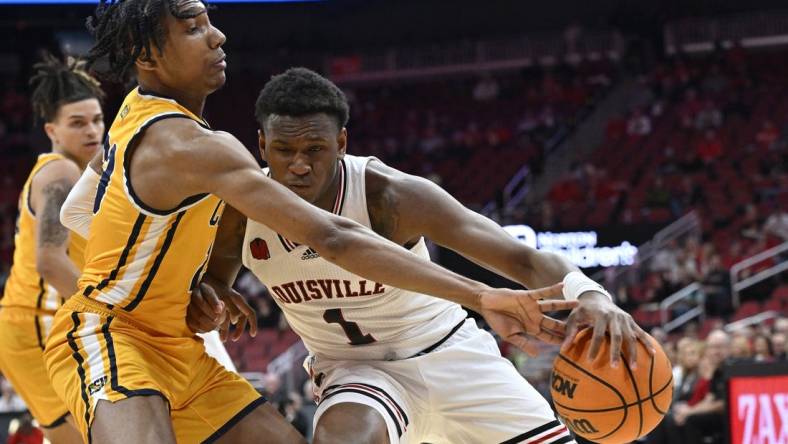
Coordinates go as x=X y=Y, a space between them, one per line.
x=22 y=363
x=93 y=354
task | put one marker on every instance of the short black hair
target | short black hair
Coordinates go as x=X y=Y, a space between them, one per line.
x=57 y=83
x=125 y=29
x=300 y=92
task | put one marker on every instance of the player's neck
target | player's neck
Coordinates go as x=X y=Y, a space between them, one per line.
x=59 y=150
x=193 y=102
x=328 y=198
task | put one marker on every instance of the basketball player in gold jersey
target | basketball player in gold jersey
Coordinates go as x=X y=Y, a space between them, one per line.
x=47 y=259
x=120 y=353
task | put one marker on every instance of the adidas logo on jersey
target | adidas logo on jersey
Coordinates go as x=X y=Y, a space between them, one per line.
x=309 y=254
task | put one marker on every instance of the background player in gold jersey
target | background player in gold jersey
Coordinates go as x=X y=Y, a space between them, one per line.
x=47 y=259
x=120 y=353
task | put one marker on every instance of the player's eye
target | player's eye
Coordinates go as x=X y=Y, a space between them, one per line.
x=315 y=148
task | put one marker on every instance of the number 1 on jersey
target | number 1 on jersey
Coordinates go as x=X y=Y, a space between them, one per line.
x=334 y=316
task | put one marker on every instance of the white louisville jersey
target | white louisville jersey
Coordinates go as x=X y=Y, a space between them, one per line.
x=338 y=314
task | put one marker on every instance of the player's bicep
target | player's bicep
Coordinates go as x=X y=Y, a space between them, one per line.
x=432 y=212
x=50 y=231
x=236 y=178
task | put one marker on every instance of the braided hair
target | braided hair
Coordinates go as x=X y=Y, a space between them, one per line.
x=57 y=83
x=125 y=29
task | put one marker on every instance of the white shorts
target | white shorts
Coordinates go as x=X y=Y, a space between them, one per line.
x=462 y=392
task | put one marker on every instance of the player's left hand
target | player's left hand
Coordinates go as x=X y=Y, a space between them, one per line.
x=205 y=311
x=598 y=311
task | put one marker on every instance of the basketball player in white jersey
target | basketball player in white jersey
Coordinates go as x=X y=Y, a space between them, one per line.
x=389 y=365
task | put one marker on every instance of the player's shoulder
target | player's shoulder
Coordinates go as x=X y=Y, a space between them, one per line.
x=385 y=181
x=185 y=140
x=58 y=169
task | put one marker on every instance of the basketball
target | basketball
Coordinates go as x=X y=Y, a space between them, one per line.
x=610 y=405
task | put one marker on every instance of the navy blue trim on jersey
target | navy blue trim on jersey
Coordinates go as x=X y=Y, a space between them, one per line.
x=80 y=369
x=235 y=419
x=156 y=264
x=40 y=300
x=127 y=167
x=106 y=176
x=58 y=422
x=124 y=255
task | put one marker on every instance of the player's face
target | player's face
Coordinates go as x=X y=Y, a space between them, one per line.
x=77 y=129
x=192 y=54
x=303 y=152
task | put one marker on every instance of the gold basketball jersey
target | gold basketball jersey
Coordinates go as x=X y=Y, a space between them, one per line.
x=142 y=262
x=25 y=287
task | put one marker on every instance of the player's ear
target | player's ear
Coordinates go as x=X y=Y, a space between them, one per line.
x=261 y=143
x=342 y=142
x=49 y=128
x=146 y=61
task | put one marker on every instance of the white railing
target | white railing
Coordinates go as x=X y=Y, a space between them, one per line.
x=684 y=225
x=691 y=293
x=543 y=49
x=703 y=34
x=752 y=320
x=737 y=284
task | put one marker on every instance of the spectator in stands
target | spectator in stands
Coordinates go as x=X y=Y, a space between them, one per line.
x=709 y=117
x=777 y=224
x=486 y=89
x=658 y=196
x=9 y=400
x=26 y=432
x=639 y=124
x=291 y=409
x=780 y=346
x=741 y=348
x=763 y=349
x=685 y=372
x=709 y=147
x=767 y=135
x=781 y=326
x=703 y=418
x=717 y=287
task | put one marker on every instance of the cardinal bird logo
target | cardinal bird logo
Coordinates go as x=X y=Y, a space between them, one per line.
x=259 y=249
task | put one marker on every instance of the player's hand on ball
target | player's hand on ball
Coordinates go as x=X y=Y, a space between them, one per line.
x=519 y=316
x=205 y=311
x=598 y=311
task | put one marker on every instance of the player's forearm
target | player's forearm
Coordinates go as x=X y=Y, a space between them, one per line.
x=366 y=254
x=537 y=269
x=224 y=268
x=58 y=271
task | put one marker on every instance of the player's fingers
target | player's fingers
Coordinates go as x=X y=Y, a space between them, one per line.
x=224 y=328
x=644 y=338
x=553 y=325
x=615 y=342
x=596 y=339
x=210 y=296
x=549 y=337
x=248 y=312
x=556 y=305
x=631 y=342
x=552 y=291
x=198 y=299
x=571 y=329
x=524 y=344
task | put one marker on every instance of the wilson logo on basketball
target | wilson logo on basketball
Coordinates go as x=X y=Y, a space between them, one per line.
x=582 y=426
x=564 y=386
x=259 y=249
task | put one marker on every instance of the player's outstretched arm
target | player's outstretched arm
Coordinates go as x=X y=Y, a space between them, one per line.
x=193 y=160
x=419 y=207
x=230 y=172
x=48 y=191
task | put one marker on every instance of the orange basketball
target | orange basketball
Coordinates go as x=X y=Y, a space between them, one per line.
x=610 y=405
